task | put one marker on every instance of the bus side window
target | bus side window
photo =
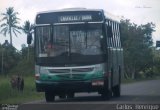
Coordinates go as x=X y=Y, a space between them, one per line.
x=118 y=37
x=118 y=28
x=114 y=35
x=109 y=30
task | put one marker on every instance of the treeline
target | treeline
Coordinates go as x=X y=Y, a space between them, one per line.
x=14 y=61
x=140 y=57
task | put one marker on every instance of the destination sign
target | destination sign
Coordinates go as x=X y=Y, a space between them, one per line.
x=66 y=17
x=75 y=18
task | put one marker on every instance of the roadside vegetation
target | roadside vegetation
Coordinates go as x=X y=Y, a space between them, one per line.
x=13 y=96
x=141 y=58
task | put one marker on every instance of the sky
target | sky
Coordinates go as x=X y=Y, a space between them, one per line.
x=138 y=11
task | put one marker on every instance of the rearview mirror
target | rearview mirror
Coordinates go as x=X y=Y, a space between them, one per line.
x=29 y=38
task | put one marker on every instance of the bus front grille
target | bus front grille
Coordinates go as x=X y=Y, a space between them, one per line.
x=71 y=73
x=59 y=70
x=71 y=76
x=74 y=70
x=71 y=70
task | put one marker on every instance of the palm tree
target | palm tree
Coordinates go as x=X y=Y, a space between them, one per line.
x=10 y=23
x=27 y=29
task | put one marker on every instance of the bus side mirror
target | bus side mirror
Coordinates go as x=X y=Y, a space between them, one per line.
x=29 y=38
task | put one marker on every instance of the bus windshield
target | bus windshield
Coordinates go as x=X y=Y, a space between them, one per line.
x=82 y=39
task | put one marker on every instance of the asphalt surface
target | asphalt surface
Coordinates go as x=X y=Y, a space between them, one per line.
x=133 y=94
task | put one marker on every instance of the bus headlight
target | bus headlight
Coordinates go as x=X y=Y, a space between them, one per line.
x=43 y=71
x=99 y=67
x=37 y=75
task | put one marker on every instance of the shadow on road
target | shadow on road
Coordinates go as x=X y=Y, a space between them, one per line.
x=123 y=98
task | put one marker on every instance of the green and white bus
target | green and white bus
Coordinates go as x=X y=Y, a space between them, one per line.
x=77 y=50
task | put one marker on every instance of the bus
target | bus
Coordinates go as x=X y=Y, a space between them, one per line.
x=77 y=50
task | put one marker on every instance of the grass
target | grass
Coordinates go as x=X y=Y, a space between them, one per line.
x=11 y=96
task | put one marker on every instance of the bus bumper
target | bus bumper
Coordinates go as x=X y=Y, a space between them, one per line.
x=70 y=86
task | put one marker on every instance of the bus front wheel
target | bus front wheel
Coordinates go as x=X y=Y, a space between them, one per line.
x=106 y=94
x=49 y=95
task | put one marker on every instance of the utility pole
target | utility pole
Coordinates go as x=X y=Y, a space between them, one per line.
x=2 y=62
x=28 y=52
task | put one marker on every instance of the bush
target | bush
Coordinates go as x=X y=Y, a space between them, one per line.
x=24 y=67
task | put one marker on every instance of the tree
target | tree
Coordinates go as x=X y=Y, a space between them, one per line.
x=10 y=23
x=137 y=43
x=27 y=28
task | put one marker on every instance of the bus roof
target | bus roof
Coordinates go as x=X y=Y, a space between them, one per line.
x=112 y=17
x=69 y=9
x=107 y=15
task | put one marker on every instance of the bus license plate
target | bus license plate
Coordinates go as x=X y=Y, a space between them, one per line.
x=97 y=83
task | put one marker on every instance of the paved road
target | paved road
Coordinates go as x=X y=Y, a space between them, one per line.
x=146 y=92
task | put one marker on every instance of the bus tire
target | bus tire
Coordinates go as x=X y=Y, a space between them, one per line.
x=117 y=88
x=106 y=94
x=116 y=91
x=50 y=97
